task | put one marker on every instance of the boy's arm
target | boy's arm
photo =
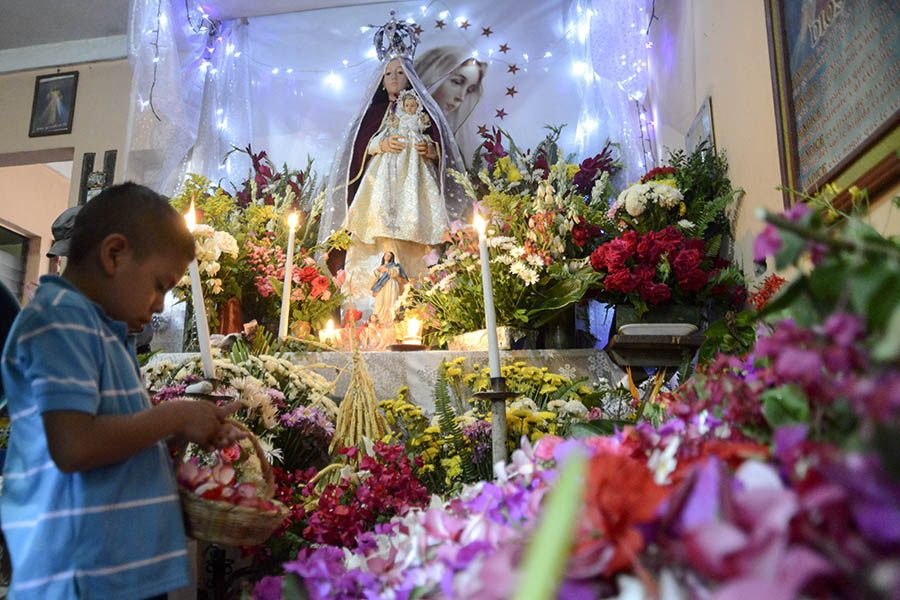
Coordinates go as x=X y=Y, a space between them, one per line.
x=80 y=441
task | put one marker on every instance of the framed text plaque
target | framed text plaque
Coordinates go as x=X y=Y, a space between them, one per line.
x=836 y=80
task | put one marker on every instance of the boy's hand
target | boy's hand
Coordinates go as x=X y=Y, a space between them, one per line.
x=228 y=434
x=203 y=422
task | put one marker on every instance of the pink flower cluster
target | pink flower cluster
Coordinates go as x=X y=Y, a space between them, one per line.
x=219 y=482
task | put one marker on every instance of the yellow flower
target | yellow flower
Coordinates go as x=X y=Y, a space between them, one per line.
x=682 y=209
x=571 y=170
x=507 y=168
x=547 y=388
x=454 y=372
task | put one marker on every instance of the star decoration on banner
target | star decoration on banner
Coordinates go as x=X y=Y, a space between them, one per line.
x=465 y=25
x=512 y=69
x=504 y=48
x=486 y=32
x=418 y=30
x=482 y=130
x=511 y=91
x=439 y=24
x=501 y=113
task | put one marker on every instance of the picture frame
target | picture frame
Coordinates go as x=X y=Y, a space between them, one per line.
x=836 y=88
x=701 y=129
x=53 y=106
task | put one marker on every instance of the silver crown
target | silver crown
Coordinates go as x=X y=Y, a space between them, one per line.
x=396 y=38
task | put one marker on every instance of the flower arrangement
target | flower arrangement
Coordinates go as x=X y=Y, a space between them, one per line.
x=251 y=259
x=538 y=237
x=216 y=253
x=662 y=266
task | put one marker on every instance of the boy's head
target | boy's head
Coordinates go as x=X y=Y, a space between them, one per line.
x=129 y=247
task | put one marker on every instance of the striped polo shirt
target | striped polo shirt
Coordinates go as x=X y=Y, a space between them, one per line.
x=112 y=532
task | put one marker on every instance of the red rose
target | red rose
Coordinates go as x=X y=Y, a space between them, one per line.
x=352 y=315
x=309 y=273
x=319 y=285
x=650 y=248
x=654 y=293
x=692 y=280
x=695 y=244
x=621 y=281
x=686 y=261
x=598 y=258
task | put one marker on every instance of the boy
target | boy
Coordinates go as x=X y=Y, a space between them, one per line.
x=90 y=507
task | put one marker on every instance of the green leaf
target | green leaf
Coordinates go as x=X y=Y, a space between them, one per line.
x=866 y=281
x=827 y=280
x=792 y=246
x=597 y=428
x=292 y=588
x=887 y=445
x=888 y=348
x=546 y=555
x=882 y=304
x=784 y=405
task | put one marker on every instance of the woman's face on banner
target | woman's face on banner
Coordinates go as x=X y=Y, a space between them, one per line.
x=459 y=84
x=394 y=78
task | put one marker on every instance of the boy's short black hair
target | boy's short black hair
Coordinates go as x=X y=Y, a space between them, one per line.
x=145 y=218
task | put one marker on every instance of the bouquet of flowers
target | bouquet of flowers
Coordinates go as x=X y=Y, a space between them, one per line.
x=216 y=253
x=538 y=231
x=248 y=264
x=662 y=266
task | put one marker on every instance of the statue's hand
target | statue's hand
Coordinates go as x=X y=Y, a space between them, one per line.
x=395 y=143
x=427 y=150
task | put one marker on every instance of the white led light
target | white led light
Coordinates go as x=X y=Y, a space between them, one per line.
x=444 y=14
x=579 y=68
x=289 y=71
x=236 y=54
x=334 y=81
x=275 y=71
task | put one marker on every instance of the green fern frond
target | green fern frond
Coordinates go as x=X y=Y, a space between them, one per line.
x=449 y=425
x=714 y=245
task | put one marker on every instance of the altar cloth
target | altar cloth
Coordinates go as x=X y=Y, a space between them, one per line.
x=418 y=370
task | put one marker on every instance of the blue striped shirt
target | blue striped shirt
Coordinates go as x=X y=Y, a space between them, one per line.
x=111 y=532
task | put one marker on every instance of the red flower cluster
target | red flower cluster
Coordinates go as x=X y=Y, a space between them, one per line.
x=760 y=297
x=265 y=173
x=583 y=232
x=658 y=173
x=648 y=267
x=347 y=509
x=591 y=168
x=493 y=146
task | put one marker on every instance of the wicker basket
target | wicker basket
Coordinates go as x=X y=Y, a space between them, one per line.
x=228 y=524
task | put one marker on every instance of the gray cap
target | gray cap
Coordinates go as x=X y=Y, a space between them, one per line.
x=62 y=231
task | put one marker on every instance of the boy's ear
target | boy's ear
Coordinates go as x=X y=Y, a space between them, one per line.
x=112 y=250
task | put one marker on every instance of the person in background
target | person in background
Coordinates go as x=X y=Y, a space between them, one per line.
x=90 y=507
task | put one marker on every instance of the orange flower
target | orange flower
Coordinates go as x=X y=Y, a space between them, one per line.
x=620 y=494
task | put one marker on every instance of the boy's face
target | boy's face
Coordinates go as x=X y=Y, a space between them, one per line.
x=410 y=105
x=138 y=287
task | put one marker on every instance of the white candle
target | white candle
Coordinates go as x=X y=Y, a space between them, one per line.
x=329 y=334
x=288 y=270
x=209 y=371
x=489 y=317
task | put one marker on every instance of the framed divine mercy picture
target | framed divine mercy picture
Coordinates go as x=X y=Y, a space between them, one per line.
x=836 y=81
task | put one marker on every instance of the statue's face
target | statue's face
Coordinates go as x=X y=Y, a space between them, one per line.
x=410 y=105
x=462 y=82
x=388 y=257
x=394 y=78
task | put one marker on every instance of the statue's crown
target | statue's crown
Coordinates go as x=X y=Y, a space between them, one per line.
x=396 y=38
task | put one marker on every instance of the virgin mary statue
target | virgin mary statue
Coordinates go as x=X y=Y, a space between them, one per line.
x=413 y=209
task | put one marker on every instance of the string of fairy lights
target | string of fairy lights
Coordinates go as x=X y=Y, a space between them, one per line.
x=200 y=22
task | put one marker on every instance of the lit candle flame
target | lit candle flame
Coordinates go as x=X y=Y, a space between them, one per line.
x=413 y=327
x=190 y=218
x=479 y=224
x=292 y=220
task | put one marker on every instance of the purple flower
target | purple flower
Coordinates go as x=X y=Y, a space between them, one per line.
x=268 y=588
x=843 y=328
x=767 y=243
x=796 y=364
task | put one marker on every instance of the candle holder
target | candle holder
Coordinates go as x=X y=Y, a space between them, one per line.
x=404 y=347
x=498 y=395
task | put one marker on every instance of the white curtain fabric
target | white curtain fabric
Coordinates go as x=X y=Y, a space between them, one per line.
x=291 y=84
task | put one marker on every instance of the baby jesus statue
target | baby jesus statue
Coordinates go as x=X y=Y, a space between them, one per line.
x=399 y=197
